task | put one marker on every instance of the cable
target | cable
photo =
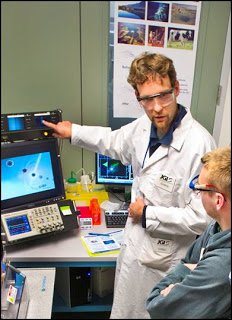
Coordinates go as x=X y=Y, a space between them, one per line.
x=115 y=196
x=79 y=171
x=60 y=145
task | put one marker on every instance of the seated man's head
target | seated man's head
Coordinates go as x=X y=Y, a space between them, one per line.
x=214 y=184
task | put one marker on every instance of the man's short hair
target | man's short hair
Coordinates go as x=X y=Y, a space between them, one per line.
x=151 y=65
x=218 y=164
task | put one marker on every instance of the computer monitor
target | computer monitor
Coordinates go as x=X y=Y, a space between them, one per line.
x=112 y=172
x=30 y=174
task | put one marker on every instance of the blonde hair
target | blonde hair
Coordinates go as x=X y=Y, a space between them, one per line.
x=149 y=65
x=218 y=164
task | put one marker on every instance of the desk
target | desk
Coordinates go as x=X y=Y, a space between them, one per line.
x=62 y=250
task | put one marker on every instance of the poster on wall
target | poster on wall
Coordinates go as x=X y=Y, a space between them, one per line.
x=165 y=27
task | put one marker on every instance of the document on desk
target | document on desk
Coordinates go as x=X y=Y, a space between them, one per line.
x=103 y=243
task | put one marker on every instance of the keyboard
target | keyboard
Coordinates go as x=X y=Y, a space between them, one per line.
x=116 y=219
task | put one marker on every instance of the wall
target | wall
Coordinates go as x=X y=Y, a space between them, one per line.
x=224 y=138
x=222 y=122
x=40 y=50
x=94 y=56
x=210 y=52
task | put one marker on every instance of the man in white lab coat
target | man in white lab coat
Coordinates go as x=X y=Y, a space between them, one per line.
x=165 y=147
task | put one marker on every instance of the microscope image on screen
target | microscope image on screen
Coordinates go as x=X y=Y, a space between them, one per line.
x=113 y=168
x=26 y=174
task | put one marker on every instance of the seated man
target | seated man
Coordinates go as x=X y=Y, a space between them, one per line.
x=199 y=286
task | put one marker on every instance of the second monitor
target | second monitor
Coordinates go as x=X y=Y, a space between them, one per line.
x=111 y=171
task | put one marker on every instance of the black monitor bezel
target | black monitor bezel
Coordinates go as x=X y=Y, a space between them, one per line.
x=116 y=183
x=9 y=150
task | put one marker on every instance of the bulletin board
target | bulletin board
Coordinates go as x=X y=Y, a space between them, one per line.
x=169 y=28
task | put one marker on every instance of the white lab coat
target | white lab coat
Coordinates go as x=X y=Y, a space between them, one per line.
x=174 y=215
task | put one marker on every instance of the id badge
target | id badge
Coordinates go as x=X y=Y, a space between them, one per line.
x=163 y=245
x=165 y=182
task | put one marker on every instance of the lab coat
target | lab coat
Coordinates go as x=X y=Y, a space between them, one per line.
x=174 y=215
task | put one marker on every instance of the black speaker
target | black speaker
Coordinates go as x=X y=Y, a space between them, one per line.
x=74 y=285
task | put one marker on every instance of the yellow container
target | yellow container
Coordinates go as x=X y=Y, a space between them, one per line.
x=87 y=196
x=71 y=187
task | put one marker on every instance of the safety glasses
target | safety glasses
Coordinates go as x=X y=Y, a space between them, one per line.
x=163 y=99
x=197 y=188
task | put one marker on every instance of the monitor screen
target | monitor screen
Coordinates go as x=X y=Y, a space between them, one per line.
x=15 y=122
x=30 y=173
x=110 y=171
x=18 y=225
x=39 y=118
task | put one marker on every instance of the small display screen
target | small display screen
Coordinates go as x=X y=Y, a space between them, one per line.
x=26 y=175
x=15 y=123
x=18 y=225
x=39 y=118
x=86 y=223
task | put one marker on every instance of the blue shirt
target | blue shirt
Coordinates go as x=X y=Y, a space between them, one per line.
x=155 y=142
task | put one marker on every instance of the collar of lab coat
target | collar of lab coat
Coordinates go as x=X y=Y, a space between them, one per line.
x=179 y=135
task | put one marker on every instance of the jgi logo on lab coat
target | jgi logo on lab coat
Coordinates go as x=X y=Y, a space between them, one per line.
x=163 y=245
x=165 y=182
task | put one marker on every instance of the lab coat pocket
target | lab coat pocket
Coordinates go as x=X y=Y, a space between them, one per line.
x=156 y=253
x=155 y=190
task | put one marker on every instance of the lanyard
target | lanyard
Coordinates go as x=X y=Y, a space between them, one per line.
x=146 y=154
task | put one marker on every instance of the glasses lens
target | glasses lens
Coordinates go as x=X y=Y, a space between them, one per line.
x=165 y=100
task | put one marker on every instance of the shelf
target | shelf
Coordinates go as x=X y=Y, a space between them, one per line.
x=58 y=264
x=97 y=304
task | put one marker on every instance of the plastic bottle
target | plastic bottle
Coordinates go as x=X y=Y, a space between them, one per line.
x=71 y=184
x=85 y=183
x=95 y=211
